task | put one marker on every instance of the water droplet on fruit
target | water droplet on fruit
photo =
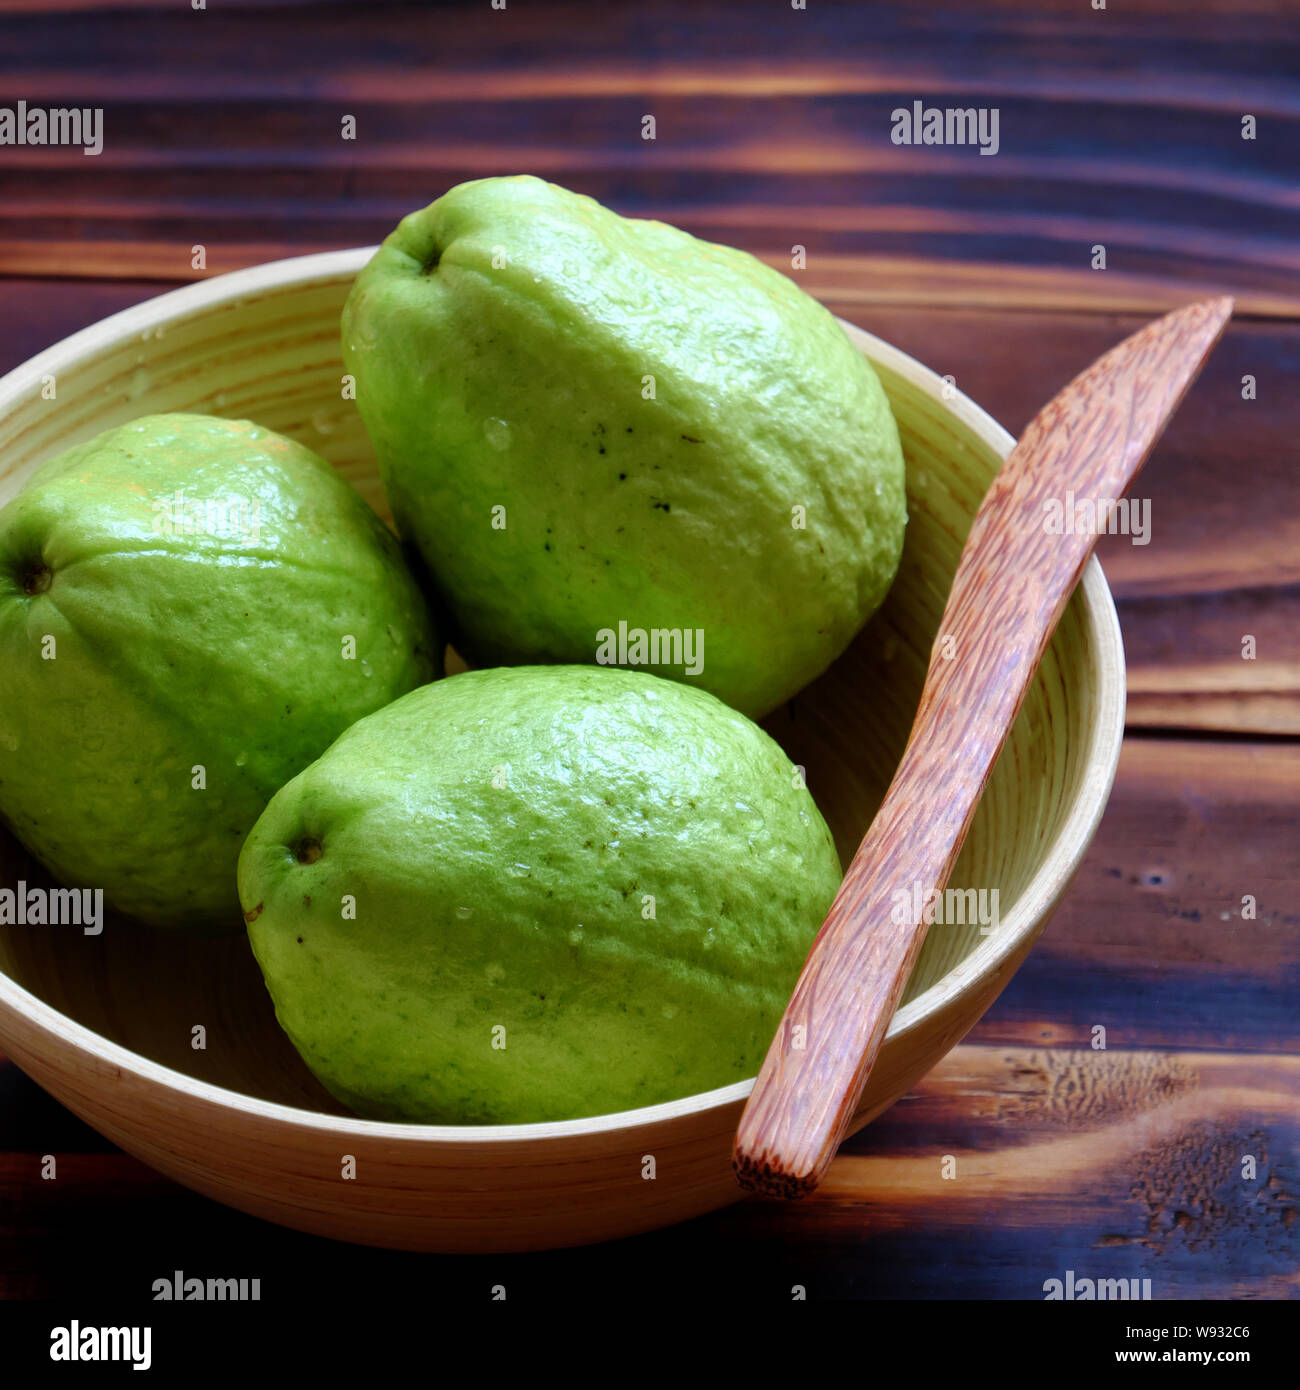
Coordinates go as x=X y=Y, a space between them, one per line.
x=575 y=937
x=240 y=759
x=497 y=434
x=518 y=870
x=463 y=912
x=365 y=670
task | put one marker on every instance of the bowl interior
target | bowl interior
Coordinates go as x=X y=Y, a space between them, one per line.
x=265 y=346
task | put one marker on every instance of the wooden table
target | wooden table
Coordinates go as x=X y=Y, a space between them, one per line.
x=1119 y=128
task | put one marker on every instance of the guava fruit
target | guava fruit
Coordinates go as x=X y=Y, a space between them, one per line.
x=191 y=610
x=599 y=429
x=536 y=893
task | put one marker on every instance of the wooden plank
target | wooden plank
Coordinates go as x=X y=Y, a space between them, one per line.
x=1114 y=1164
x=1187 y=667
x=1151 y=942
x=1111 y=1164
x=853 y=283
x=1005 y=36
x=1042 y=12
x=768 y=134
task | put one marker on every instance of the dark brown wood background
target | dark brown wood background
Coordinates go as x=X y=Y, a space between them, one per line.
x=1120 y=127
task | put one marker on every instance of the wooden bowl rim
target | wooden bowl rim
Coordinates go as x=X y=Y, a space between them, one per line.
x=1049 y=879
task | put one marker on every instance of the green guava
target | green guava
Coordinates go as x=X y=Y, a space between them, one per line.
x=191 y=610
x=536 y=893
x=601 y=432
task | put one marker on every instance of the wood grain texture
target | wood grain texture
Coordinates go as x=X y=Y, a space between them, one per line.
x=1014 y=578
x=1154 y=943
x=1120 y=127
x=1019 y=1164
x=773 y=129
x=1116 y=1164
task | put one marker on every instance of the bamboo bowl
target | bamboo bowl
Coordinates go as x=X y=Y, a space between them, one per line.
x=105 y=1023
